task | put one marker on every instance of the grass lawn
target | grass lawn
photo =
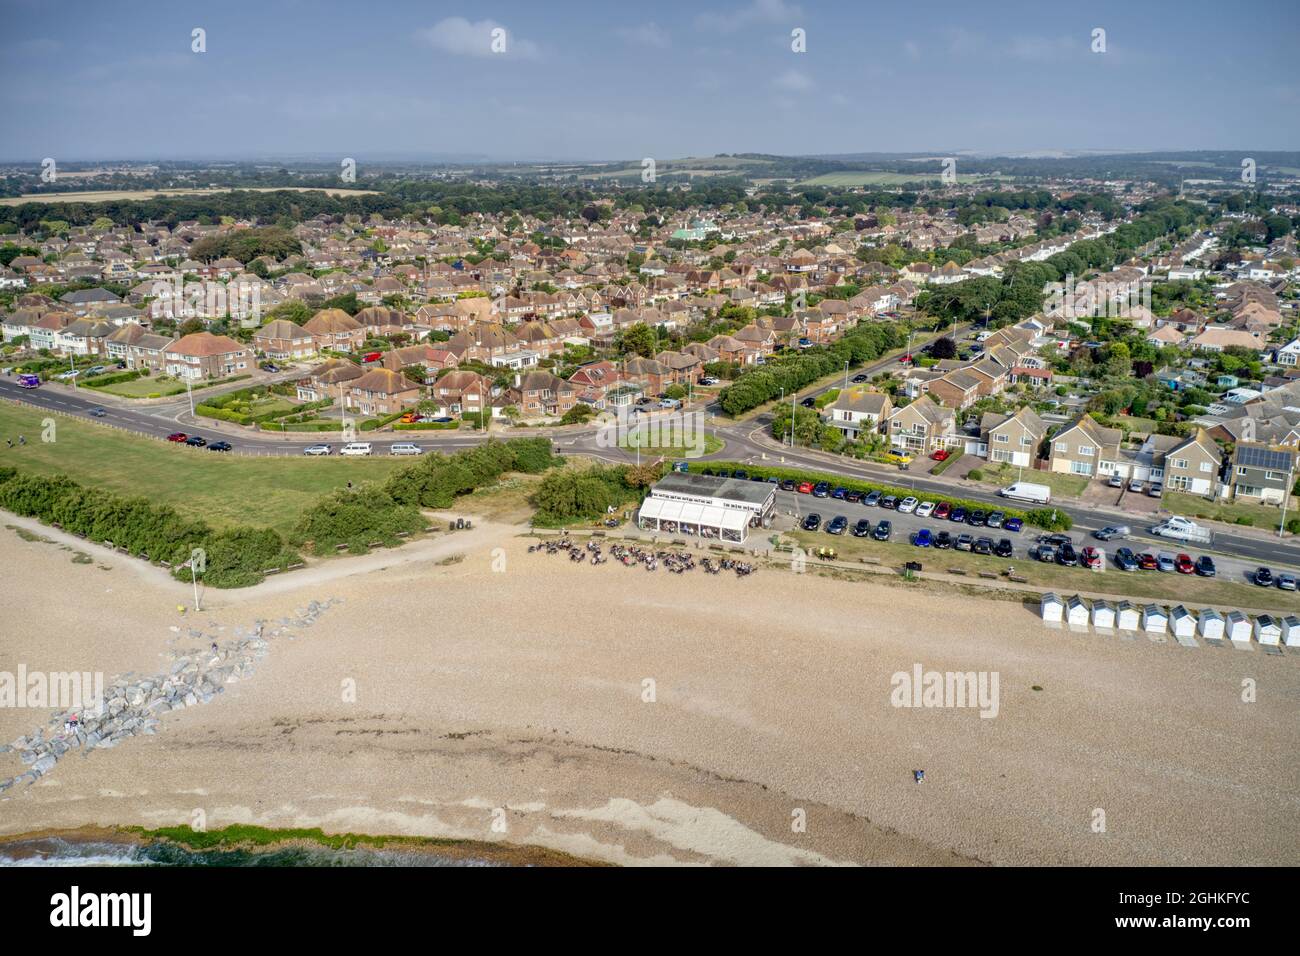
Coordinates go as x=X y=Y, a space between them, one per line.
x=1194 y=506
x=952 y=459
x=1004 y=474
x=712 y=445
x=224 y=489
x=506 y=501
x=140 y=387
x=1153 y=585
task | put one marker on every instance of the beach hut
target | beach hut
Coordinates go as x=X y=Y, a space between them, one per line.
x=1182 y=622
x=1237 y=627
x=1052 y=608
x=1268 y=630
x=1076 y=612
x=1103 y=614
x=1155 y=620
x=1211 y=624
x=1126 y=616
x=1291 y=631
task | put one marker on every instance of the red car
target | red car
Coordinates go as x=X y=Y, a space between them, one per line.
x=942 y=511
x=906 y=359
x=1091 y=558
x=177 y=436
x=1147 y=561
x=1183 y=564
x=940 y=455
x=805 y=487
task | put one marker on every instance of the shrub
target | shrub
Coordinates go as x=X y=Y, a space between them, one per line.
x=356 y=517
x=975 y=475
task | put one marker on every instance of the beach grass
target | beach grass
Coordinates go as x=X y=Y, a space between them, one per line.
x=223 y=489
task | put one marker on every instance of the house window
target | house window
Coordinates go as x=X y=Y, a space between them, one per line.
x=1241 y=471
x=1206 y=466
x=1062 y=448
x=1002 y=438
x=1180 y=463
x=1087 y=451
x=1274 y=476
x=1081 y=467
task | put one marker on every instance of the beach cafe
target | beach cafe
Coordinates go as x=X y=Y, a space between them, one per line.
x=723 y=509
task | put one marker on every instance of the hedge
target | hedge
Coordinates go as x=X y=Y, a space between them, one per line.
x=1039 y=517
x=425 y=426
x=435 y=480
x=370 y=424
x=113 y=378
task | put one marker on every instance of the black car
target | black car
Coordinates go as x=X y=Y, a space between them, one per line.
x=220 y=446
x=812 y=522
x=983 y=546
x=808 y=402
x=943 y=540
x=1126 y=560
x=196 y=441
x=1205 y=566
x=862 y=528
x=859 y=379
x=1067 y=556
x=787 y=484
x=821 y=490
x=882 y=531
x=976 y=518
x=889 y=501
x=1003 y=548
x=1264 y=577
x=837 y=525
x=741 y=474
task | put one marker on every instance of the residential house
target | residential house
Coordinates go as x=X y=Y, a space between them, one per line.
x=1086 y=448
x=283 y=340
x=382 y=391
x=202 y=355
x=1262 y=472
x=1193 y=465
x=922 y=427
x=856 y=411
x=1010 y=439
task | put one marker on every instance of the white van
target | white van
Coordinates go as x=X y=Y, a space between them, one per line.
x=357 y=448
x=1027 y=491
x=405 y=448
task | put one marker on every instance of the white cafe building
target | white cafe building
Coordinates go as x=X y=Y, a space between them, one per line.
x=720 y=508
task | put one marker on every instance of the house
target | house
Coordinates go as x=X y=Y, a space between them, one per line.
x=381 y=391
x=461 y=392
x=1193 y=465
x=335 y=329
x=328 y=380
x=957 y=389
x=202 y=355
x=284 y=340
x=1216 y=339
x=922 y=427
x=1085 y=448
x=1010 y=439
x=859 y=410
x=1262 y=471
x=541 y=393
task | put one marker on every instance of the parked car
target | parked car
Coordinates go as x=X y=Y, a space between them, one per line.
x=859 y=379
x=976 y=518
x=839 y=493
x=1066 y=556
x=220 y=446
x=958 y=515
x=812 y=522
x=1045 y=553
x=964 y=542
x=1090 y=557
x=196 y=441
x=861 y=528
x=940 y=455
x=1135 y=486
x=1126 y=560
x=96 y=370
x=1165 y=561
x=1112 y=531
x=907 y=505
x=1147 y=561
x=787 y=484
x=853 y=497
x=1263 y=577
x=1156 y=489
x=177 y=436
x=1286 y=581
x=837 y=525
x=405 y=448
x=882 y=531
x=1004 y=548
x=943 y=540
x=1013 y=524
x=357 y=448
x=889 y=501
x=97 y=412
x=923 y=538
x=821 y=490
x=925 y=509
x=1183 y=564
x=805 y=487
x=982 y=546
x=872 y=499
x=1205 y=566
x=321 y=449
x=1115 y=481
x=808 y=402
x=995 y=519
x=942 y=510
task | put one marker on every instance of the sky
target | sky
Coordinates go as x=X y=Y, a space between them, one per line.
x=392 y=79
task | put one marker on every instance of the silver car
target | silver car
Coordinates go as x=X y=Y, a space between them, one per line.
x=317 y=450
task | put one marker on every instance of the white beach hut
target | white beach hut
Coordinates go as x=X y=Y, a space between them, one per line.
x=1052 y=608
x=1103 y=615
x=1155 y=620
x=1076 y=612
x=1291 y=631
x=1211 y=624
x=1126 y=616
x=1182 y=622
x=1268 y=630
x=1237 y=627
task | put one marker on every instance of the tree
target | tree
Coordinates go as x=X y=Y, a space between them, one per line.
x=638 y=339
x=944 y=348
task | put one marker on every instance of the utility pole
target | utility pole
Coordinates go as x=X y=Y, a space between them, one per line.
x=1286 y=495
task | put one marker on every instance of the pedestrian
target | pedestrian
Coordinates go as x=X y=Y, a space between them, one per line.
x=349 y=486
x=9 y=442
x=22 y=440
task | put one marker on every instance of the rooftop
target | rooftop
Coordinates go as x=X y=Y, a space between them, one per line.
x=709 y=486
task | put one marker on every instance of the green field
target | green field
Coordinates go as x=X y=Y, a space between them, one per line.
x=1001 y=475
x=1194 y=506
x=223 y=489
x=866 y=178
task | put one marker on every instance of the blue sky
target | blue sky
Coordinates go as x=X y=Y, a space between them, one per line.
x=586 y=80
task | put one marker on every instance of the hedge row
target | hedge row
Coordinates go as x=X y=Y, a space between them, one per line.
x=370 y=424
x=113 y=378
x=235 y=557
x=425 y=426
x=1049 y=518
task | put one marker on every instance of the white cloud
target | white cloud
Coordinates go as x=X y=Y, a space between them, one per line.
x=458 y=37
x=755 y=12
x=792 y=81
x=646 y=34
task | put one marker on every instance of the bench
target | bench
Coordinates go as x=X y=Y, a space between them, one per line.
x=988 y=575
x=961 y=571
x=1017 y=578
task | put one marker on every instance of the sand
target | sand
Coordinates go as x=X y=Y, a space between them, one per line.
x=511 y=706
